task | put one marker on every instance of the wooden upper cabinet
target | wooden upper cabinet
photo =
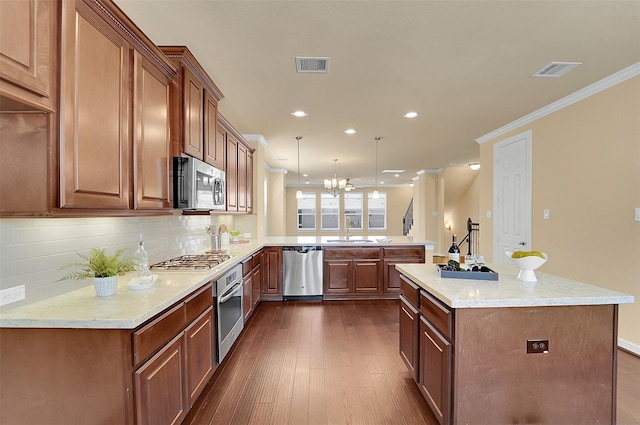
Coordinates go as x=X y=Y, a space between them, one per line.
x=214 y=146
x=95 y=143
x=249 y=185
x=232 y=173
x=195 y=108
x=242 y=177
x=28 y=40
x=193 y=98
x=114 y=111
x=238 y=167
x=151 y=135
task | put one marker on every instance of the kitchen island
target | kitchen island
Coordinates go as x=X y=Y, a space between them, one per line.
x=508 y=351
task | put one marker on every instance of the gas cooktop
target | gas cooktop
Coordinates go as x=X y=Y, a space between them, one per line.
x=192 y=262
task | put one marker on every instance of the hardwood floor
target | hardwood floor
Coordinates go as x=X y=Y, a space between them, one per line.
x=334 y=362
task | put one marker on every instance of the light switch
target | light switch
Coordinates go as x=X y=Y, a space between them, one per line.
x=637 y=214
x=545 y=214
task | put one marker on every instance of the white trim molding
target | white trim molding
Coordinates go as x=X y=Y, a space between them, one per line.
x=629 y=346
x=605 y=83
x=256 y=138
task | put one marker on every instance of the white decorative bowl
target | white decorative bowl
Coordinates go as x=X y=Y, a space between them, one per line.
x=527 y=265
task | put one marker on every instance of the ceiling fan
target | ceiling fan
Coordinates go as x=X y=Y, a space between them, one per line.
x=349 y=187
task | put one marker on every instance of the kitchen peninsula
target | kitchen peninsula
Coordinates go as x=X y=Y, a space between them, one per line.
x=508 y=351
x=77 y=358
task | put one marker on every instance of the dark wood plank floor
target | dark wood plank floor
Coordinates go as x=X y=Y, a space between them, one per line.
x=334 y=363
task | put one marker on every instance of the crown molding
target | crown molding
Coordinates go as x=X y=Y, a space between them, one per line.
x=259 y=138
x=597 y=87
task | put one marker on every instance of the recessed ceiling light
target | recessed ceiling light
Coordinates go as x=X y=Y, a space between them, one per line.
x=350 y=131
x=299 y=114
x=381 y=182
x=410 y=114
x=396 y=175
x=305 y=175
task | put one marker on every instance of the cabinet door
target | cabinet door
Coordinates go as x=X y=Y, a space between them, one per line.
x=27 y=57
x=337 y=276
x=366 y=276
x=151 y=135
x=249 y=185
x=434 y=371
x=213 y=144
x=391 y=279
x=201 y=354
x=247 y=295
x=193 y=104
x=95 y=140
x=242 y=177
x=272 y=279
x=257 y=279
x=409 y=336
x=232 y=173
x=161 y=393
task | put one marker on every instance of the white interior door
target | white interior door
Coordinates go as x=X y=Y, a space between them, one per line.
x=511 y=195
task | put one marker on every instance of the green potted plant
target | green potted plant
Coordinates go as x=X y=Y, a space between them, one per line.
x=103 y=268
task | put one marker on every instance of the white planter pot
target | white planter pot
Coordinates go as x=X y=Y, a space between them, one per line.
x=105 y=286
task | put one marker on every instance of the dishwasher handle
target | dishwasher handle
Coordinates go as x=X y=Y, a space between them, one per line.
x=302 y=249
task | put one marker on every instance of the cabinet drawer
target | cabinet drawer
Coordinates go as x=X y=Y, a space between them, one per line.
x=403 y=252
x=199 y=302
x=439 y=315
x=257 y=259
x=154 y=335
x=410 y=291
x=351 y=253
x=247 y=266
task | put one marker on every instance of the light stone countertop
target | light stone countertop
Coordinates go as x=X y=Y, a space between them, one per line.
x=129 y=309
x=507 y=291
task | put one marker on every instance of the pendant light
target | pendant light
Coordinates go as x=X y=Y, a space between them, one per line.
x=299 y=191
x=376 y=194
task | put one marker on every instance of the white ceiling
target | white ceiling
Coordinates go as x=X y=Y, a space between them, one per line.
x=464 y=66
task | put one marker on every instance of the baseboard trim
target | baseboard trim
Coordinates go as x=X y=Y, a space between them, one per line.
x=629 y=346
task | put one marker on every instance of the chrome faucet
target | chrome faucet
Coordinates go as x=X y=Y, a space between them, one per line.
x=348 y=225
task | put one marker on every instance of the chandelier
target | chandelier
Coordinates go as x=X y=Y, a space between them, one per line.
x=334 y=186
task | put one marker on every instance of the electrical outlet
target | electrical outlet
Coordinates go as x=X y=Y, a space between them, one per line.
x=545 y=214
x=537 y=346
x=12 y=295
x=637 y=214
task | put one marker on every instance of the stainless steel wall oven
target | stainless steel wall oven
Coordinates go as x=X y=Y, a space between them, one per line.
x=229 y=309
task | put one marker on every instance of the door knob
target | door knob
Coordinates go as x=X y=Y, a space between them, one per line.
x=523 y=243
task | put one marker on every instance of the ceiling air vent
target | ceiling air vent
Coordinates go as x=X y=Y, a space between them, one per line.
x=315 y=65
x=556 y=69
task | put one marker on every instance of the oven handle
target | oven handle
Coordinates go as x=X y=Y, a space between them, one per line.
x=237 y=287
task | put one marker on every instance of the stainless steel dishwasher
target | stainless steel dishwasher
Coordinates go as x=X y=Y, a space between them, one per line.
x=302 y=272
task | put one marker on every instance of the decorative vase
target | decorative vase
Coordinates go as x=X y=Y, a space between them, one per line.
x=105 y=286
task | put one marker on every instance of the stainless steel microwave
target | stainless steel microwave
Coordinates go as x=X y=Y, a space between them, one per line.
x=197 y=185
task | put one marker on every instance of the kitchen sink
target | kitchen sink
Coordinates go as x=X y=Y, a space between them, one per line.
x=349 y=240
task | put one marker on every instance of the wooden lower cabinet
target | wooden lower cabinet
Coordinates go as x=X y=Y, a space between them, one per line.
x=272 y=274
x=161 y=393
x=398 y=255
x=434 y=371
x=247 y=295
x=148 y=375
x=409 y=330
x=352 y=273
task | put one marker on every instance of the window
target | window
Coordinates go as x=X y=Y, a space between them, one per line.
x=353 y=210
x=329 y=212
x=307 y=211
x=378 y=212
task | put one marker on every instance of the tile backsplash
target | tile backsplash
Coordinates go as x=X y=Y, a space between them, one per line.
x=32 y=250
